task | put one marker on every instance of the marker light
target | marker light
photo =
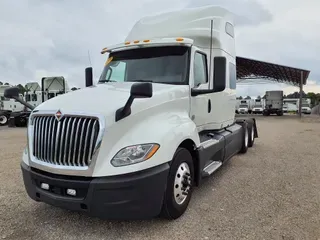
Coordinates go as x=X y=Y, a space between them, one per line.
x=104 y=50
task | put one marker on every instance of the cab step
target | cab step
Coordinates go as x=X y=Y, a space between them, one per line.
x=211 y=168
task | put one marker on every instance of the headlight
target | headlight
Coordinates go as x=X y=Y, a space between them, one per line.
x=134 y=154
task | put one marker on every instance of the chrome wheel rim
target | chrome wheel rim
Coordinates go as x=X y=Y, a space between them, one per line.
x=3 y=119
x=182 y=183
x=252 y=133
x=246 y=137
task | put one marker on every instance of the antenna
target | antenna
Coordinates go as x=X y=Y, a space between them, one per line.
x=89 y=58
x=211 y=28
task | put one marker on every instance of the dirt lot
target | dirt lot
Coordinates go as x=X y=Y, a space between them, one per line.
x=272 y=192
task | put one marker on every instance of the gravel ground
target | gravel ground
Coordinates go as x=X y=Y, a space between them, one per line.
x=272 y=192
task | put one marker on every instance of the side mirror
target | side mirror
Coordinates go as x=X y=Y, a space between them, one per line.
x=12 y=92
x=141 y=90
x=138 y=90
x=89 y=76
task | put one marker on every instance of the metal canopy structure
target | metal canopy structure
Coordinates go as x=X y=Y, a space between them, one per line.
x=254 y=69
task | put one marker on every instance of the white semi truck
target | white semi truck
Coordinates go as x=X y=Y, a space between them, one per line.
x=162 y=119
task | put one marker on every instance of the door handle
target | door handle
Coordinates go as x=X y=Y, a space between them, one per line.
x=209 y=106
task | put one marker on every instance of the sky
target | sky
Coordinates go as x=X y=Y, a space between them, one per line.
x=52 y=38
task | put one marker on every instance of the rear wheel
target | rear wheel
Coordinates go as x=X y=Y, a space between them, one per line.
x=3 y=120
x=245 y=138
x=251 y=135
x=179 y=185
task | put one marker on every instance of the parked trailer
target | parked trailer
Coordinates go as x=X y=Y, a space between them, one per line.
x=305 y=108
x=274 y=103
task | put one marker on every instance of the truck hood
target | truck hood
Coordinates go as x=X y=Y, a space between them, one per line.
x=106 y=98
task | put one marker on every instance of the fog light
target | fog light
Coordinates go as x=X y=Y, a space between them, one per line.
x=71 y=192
x=45 y=186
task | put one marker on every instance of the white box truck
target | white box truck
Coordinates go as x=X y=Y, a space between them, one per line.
x=258 y=106
x=161 y=120
x=273 y=103
x=243 y=107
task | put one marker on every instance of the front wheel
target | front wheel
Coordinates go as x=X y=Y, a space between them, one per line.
x=179 y=185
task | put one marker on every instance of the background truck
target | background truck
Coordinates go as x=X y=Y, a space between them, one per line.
x=305 y=106
x=258 y=106
x=35 y=95
x=243 y=107
x=161 y=121
x=7 y=106
x=290 y=108
x=274 y=103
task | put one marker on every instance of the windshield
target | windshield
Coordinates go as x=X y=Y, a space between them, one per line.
x=305 y=105
x=152 y=64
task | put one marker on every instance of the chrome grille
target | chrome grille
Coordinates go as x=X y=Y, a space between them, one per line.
x=68 y=142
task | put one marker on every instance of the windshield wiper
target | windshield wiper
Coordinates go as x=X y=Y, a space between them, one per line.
x=104 y=81
x=139 y=80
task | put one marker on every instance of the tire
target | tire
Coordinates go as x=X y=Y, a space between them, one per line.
x=182 y=165
x=3 y=120
x=251 y=135
x=245 y=138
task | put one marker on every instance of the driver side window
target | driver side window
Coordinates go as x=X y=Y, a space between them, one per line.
x=200 y=74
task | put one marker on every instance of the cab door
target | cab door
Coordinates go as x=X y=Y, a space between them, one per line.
x=200 y=106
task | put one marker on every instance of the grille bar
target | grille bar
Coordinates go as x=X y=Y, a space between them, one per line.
x=68 y=142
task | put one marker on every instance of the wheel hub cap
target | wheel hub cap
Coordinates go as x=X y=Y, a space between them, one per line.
x=246 y=138
x=182 y=183
x=252 y=133
x=3 y=119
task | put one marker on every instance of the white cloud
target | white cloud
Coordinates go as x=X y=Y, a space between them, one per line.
x=53 y=37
